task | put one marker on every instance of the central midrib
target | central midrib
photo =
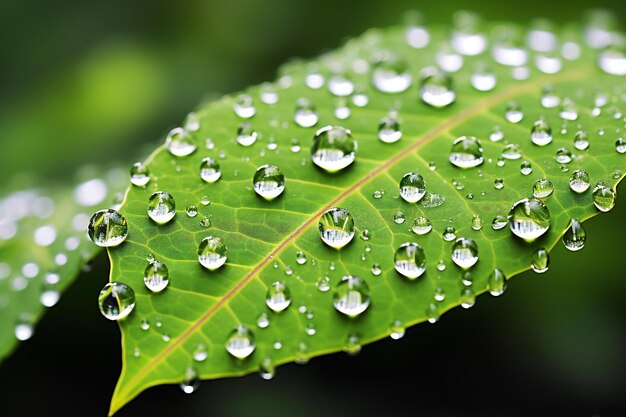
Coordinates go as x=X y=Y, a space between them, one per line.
x=464 y=115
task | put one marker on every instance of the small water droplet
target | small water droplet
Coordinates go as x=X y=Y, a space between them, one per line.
x=579 y=181
x=412 y=187
x=620 y=145
x=603 y=197
x=352 y=296
x=549 y=99
x=468 y=298
x=314 y=80
x=441 y=265
x=389 y=130
x=365 y=235
x=336 y=227
x=268 y=181
x=210 y=170
x=161 y=207
x=305 y=115
x=391 y=75
x=397 y=330
x=483 y=80
x=449 y=234
x=267 y=370
x=612 y=61
x=511 y=152
x=376 y=269
x=200 y=353
x=540 y=260
x=499 y=222
x=542 y=188
x=278 y=297
x=568 y=110
x=23 y=331
x=246 y=135
x=205 y=222
x=513 y=112
x=107 y=228
x=497 y=282
x=116 y=300
x=333 y=148
x=244 y=107
x=581 y=140
x=212 y=253
x=496 y=134
x=144 y=325
x=465 y=253
x=192 y=211
x=323 y=284
x=466 y=152
x=179 y=143
x=399 y=217
x=378 y=194
x=529 y=219
x=156 y=276
x=436 y=88
x=410 y=260
x=353 y=345
x=139 y=174
x=263 y=321
x=498 y=183
x=575 y=236
x=477 y=222
x=421 y=225
x=240 y=343
x=541 y=133
x=340 y=85
x=563 y=156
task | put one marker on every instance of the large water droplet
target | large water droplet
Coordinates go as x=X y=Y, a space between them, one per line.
x=269 y=182
x=389 y=130
x=246 y=135
x=179 y=142
x=412 y=187
x=603 y=197
x=210 y=170
x=579 y=181
x=305 y=115
x=116 y=300
x=212 y=253
x=190 y=382
x=497 y=282
x=333 y=148
x=352 y=296
x=156 y=276
x=465 y=252
x=139 y=174
x=529 y=219
x=513 y=112
x=541 y=133
x=575 y=237
x=244 y=107
x=336 y=227
x=421 y=225
x=390 y=75
x=107 y=228
x=436 y=88
x=542 y=188
x=410 y=260
x=540 y=260
x=161 y=207
x=466 y=152
x=240 y=343
x=278 y=297
x=581 y=140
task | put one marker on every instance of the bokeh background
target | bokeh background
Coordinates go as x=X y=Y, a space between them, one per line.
x=95 y=82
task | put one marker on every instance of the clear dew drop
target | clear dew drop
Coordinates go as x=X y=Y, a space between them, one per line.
x=432 y=313
x=365 y=235
x=376 y=269
x=466 y=152
x=336 y=227
x=353 y=345
x=192 y=211
x=314 y=80
x=496 y=134
x=190 y=382
x=139 y=174
x=49 y=298
x=497 y=283
x=417 y=37
x=581 y=140
x=389 y=130
x=23 y=331
x=483 y=80
x=268 y=181
x=441 y=265
x=568 y=110
x=244 y=107
x=179 y=143
x=467 y=298
x=161 y=207
x=526 y=168
x=156 y=276
x=449 y=234
x=529 y=219
x=340 y=85
x=563 y=156
x=548 y=63
x=511 y=151
x=200 y=353
x=305 y=115
x=440 y=294
x=541 y=133
x=513 y=113
x=542 y=188
x=240 y=343
x=575 y=236
x=246 y=135
x=612 y=61
x=278 y=297
x=360 y=100
x=267 y=369
x=410 y=260
x=351 y=296
x=620 y=145
x=412 y=187
x=144 y=325
x=205 y=222
x=263 y=320
x=432 y=200
x=300 y=258
x=448 y=60
x=210 y=170
x=390 y=75
x=465 y=253
x=579 y=181
x=333 y=148
x=603 y=197
x=436 y=88
x=116 y=300
x=477 y=222
x=540 y=260
x=107 y=228
x=323 y=283
x=549 y=99
x=421 y=226
x=399 y=217
x=499 y=222
x=268 y=94
x=397 y=330
x=295 y=145
x=498 y=183
x=212 y=253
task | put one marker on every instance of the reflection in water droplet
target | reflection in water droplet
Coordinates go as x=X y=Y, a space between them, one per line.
x=212 y=253
x=323 y=284
x=498 y=183
x=568 y=110
x=483 y=80
x=278 y=297
x=376 y=269
x=579 y=181
x=603 y=197
x=244 y=107
x=192 y=211
x=575 y=237
x=336 y=227
x=179 y=142
x=477 y=222
x=263 y=321
x=352 y=296
x=116 y=300
x=499 y=222
x=412 y=187
x=467 y=298
x=161 y=207
x=305 y=115
x=210 y=170
x=513 y=112
x=497 y=282
x=410 y=260
x=267 y=370
x=465 y=253
x=436 y=88
x=529 y=219
x=389 y=130
x=542 y=188
x=200 y=353
x=620 y=145
x=107 y=228
x=340 y=85
x=190 y=382
x=421 y=225
x=511 y=151
x=449 y=234
x=139 y=174
x=333 y=148
x=526 y=168
x=240 y=343
x=399 y=217
x=390 y=75
x=466 y=152
x=353 y=345
x=540 y=260
x=246 y=135
x=268 y=181
x=156 y=276
x=496 y=134
x=581 y=140
x=397 y=330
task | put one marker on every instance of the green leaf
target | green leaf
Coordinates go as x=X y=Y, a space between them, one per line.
x=200 y=308
x=43 y=246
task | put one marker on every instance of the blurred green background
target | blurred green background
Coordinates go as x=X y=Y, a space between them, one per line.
x=95 y=82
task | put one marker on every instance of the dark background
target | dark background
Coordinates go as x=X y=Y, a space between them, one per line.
x=87 y=82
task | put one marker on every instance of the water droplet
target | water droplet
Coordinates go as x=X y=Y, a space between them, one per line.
x=268 y=94
x=190 y=382
x=579 y=181
x=497 y=283
x=466 y=152
x=496 y=134
x=449 y=234
x=49 y=298
x=305 y=115
x=144 y=325
x=448 y=60
x=212 y=253
x=390 y=75
x=541 y=133
x=336 y=227
x=513 y=112
x=240 y=343
x=378 y=194
x=412 y=187
x=542 y=188
x=139 y=174
x=278 y=297
x=432 y=200
x=389 y=130
x=441 y=265
x=263 y=321
x=483 y=80
x=295 y=145
x=568 y=110
x=620 y=145
x=526 y=168
x=244 y=107
x=24 y=331
x=205 y=222
x=314 y=80
x=417 y=37
x=323 y=284
x=612 y=61
x=156 y=276
x=267 y=370
x=575 y=237
x=353 y=345
x=269 y=181
x=161 y=207
x=410 y=260
x=549 y=99
x=468 y=298
x=540 y=260
x=107 y=228
x=498 y=183
x=200 y=353
x=529 y=219
x=333 y=148
x=507 y=51
x=581 y=140
x=436 y=88
x=376 y=269
x=116 y=300
x=210 y=170
x=603 y=197
x=397 y=330
x=511 y=151
x=421 y=225
x=399 y=217
x=340 y=85
x=45 y=235
x=563 y=156
x=432 y=166
x=246 y=135
x=465 y=252
x=477 y=222
x=352 y=296
x=205 y=200
x=360 y=100
x=365 y=235
x=499 y=222
x=179 y=142
x=192 y=211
